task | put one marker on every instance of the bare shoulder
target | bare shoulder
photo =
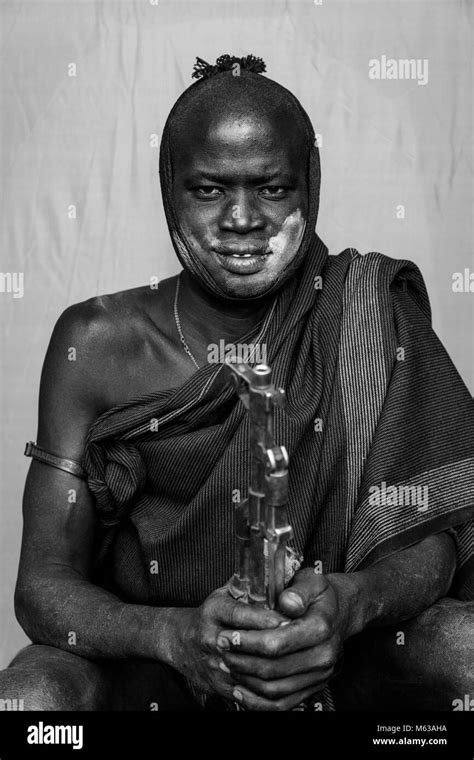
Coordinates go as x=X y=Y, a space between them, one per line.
x=83 y=336
x=92 y=323
x=101 y=325
x=99 y=345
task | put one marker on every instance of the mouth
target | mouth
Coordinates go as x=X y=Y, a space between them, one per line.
x=243 y=259
x=242 y=255
x=241 y=251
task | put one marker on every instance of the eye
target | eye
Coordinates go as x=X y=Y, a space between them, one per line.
x=274 y=191
x=207 y=192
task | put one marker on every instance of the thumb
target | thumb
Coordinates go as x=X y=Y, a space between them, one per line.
x=306 y=587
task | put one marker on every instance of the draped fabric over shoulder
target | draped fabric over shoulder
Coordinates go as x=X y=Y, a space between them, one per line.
x=378 y=427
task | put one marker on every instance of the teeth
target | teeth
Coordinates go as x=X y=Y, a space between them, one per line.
x=241 y=255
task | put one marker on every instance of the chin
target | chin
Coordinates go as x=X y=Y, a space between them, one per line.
x=246 y=287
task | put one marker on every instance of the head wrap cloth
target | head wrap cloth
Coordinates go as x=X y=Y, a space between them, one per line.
x=210 y=88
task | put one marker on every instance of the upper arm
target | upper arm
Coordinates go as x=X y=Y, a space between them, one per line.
x=58 y=510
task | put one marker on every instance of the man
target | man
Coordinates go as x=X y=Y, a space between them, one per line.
x=122 y=575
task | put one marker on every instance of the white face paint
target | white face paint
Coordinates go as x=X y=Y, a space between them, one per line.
x=231 y=273
x=290 y=235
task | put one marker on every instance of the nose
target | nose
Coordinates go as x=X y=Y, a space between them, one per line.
x=242 y=213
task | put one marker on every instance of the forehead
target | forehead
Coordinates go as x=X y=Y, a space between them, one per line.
x=238 y=141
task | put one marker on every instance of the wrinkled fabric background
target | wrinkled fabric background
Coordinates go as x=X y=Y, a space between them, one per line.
x=87 y=140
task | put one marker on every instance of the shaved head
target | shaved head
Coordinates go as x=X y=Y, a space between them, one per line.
x=238 y=99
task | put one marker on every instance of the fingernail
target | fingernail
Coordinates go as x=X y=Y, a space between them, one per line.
x=224 y=667
x=223 y=643
x=271 y=622
x=294 y=599
x=237 y=695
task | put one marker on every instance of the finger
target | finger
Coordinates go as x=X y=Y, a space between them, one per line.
x=237 y=614
x=252 y=701
x=307 y=586
x=298 y=635
x=320 y=658
x=218 y=680
x=284 y=687
x=218 y=673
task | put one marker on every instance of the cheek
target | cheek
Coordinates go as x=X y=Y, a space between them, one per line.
x=194 y=238
x=196 y=221
x=288 y=239
x=198 y=238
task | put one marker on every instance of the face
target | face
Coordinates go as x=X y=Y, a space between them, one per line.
x=240 y=196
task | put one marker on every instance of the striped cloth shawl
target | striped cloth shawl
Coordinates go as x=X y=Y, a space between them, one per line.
x=379 y=429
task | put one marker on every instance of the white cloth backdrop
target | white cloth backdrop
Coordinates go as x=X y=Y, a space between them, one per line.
x=86 y=140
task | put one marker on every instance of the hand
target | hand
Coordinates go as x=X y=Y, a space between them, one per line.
x=194 y=638
x=278 y=669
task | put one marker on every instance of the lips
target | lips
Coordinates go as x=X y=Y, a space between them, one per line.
x=243 y=264
x=239 y=257
x=238 y=249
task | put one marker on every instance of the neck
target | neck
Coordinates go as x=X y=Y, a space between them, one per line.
x=216 y=318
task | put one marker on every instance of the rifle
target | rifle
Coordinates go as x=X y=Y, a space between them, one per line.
x=264 y=560
x=265 y=563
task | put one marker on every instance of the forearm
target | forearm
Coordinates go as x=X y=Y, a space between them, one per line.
x=398 y=587
x=69 y=612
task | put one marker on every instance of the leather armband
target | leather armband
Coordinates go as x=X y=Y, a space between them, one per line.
x=68 y=465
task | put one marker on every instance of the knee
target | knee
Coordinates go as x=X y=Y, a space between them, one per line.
x=48 y=691
x=45 y=678
x=428 y=667
x=447 y=627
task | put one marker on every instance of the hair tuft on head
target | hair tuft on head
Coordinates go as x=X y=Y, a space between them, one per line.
x=225 y=62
